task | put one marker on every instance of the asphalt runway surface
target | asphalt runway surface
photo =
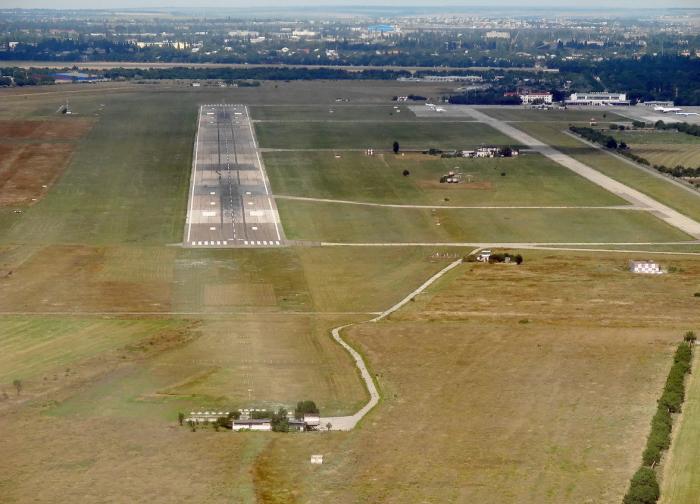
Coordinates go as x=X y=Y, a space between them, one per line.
x=230 y=203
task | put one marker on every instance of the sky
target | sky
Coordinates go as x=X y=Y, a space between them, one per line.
x=247 y=4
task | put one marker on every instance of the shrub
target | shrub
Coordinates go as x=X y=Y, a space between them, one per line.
x=644 y=489
x=690 y=335
x=305 y=407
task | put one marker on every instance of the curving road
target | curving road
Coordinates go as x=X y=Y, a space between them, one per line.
x=345 y=423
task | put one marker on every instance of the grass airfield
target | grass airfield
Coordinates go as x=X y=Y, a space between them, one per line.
x=113 y=328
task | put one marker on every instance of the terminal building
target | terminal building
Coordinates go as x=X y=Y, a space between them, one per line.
x=598 y=98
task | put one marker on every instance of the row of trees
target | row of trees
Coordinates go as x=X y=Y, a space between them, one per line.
x=598 y=137
x=644 y=488
x=688 y=129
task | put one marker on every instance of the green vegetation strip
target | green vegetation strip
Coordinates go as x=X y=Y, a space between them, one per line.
x=644 y=489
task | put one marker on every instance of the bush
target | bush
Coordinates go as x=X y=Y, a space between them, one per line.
x=305 y=407
x=644 y=489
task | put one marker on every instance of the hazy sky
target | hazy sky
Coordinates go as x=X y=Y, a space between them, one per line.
x=116 y=4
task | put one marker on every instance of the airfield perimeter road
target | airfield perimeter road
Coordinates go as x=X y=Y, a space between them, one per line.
x=663 y=212
x=230 y=204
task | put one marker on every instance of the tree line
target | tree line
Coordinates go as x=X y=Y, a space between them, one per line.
x=644 y=487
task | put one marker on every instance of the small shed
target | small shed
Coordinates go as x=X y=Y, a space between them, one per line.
x=317 y=459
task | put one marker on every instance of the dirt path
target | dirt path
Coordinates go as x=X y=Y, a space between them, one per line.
x=345 y=423
x=456 y=207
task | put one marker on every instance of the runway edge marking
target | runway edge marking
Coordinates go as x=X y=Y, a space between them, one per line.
x=273 y=209
x=193 y=175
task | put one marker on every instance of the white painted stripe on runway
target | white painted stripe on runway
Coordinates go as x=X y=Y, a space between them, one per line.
x=258 y=243
x=194 y=175
x=264 y=242
x=262 y=173
x=245 y=242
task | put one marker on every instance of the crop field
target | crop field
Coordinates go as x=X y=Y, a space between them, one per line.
x=33 y=155
x=525 y=180
x=662 y=190
x=113 y=328
x=666 y=148
x=333 y=222
x=378 y=135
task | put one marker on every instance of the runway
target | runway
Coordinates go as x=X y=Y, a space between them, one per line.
x=230 y=203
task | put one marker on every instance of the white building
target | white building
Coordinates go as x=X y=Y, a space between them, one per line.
x=206 y=416
x=646 y=267
x=598 y=98
x=452 y=78
x=497 y=35
x=529 y=98
x=254 y=424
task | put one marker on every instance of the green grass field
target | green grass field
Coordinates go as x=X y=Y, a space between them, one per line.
x=662 y=190
x=528 y=180
x=114 y=328
x=337 y=112
x=355 y=224
x=535 y=115
x=31 y=346
x=378 y=135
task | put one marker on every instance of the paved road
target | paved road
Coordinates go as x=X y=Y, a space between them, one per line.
x=230 y=204
x=663 y=212
x=349 y=422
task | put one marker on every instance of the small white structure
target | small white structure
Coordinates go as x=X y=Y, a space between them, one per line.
x=645 y=267
x=484 y=256
x=206 y=416
x=317 y=459
x=312 y=420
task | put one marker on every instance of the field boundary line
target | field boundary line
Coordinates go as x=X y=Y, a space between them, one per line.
x=497 y=244
x=346 y=423
x=457 y=207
